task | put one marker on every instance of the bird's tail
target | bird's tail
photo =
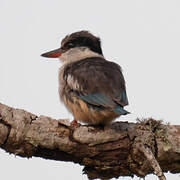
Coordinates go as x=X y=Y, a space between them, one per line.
x=119 y=110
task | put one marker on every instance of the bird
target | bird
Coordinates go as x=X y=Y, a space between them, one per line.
x=92 y=88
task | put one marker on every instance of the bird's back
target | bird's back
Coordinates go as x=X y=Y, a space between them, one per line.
x=96 y=75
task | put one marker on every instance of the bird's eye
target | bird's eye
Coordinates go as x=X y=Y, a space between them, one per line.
x=70 y=45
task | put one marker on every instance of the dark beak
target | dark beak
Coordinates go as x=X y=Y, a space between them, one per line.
x=53 y=54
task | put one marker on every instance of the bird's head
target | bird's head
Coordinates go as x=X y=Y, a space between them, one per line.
x=75 y=46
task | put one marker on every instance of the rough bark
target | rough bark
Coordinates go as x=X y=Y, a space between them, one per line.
x=121 y=149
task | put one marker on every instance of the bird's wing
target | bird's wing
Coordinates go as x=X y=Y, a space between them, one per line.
x=97 y=81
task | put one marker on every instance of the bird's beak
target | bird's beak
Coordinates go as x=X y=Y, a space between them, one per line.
x=53 y=54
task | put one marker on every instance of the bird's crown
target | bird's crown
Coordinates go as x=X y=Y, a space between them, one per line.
x=82 y=39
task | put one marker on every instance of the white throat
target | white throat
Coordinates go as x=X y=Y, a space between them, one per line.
x=78 y=53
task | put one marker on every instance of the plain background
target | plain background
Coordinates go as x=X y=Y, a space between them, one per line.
x=142 y=36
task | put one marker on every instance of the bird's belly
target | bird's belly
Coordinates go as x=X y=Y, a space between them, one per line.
x=86 y=113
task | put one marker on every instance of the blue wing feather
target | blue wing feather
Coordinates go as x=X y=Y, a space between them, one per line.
x=119 y=110
x=99 y=99
x=122 y=98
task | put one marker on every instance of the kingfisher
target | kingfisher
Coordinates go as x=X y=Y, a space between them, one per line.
x=92 y=88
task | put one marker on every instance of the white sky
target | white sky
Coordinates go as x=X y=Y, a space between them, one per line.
x=142 y=36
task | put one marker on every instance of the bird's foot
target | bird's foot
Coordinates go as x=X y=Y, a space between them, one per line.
x=74 y=123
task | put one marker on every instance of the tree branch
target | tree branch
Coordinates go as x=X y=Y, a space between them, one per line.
x=121 y=149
